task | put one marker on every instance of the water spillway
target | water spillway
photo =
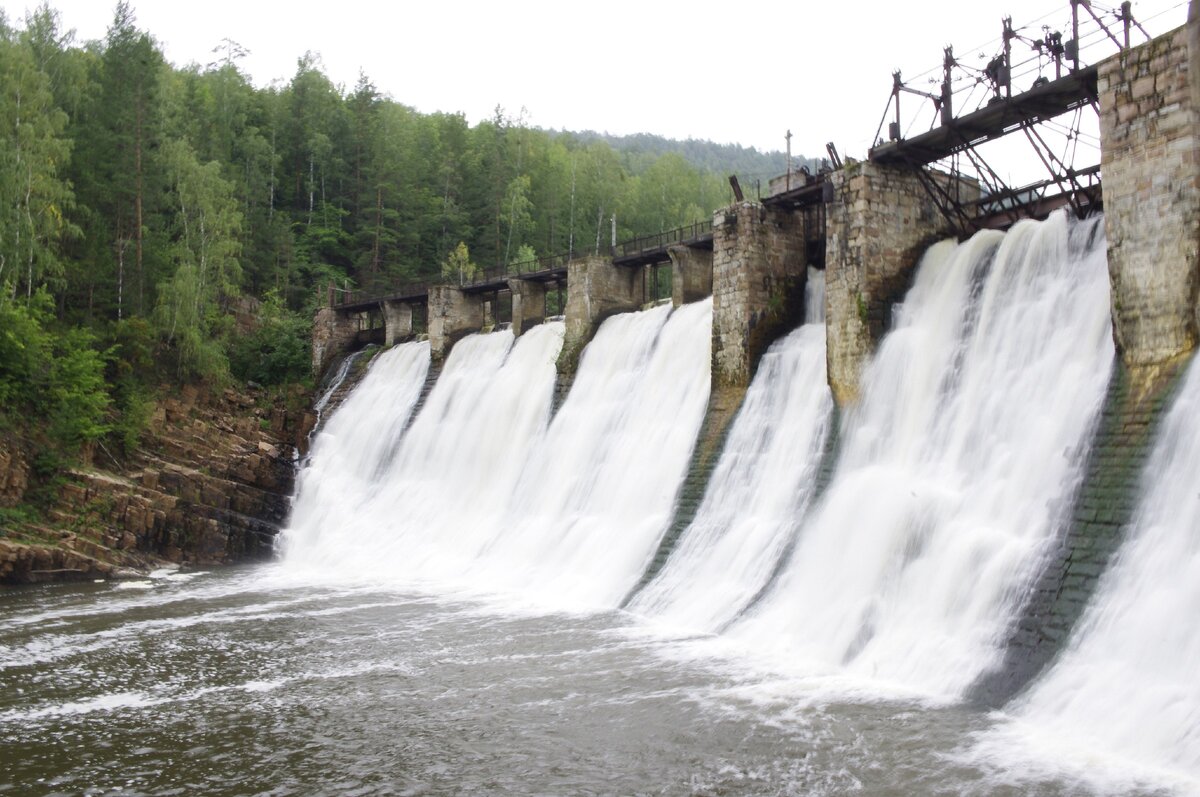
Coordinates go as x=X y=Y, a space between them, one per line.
x=957 y=467
x=955 y=472
x=759 y=490
x=404 y=517
x=1123 y=697
x=483 y=489
x=348 y=452
x=598 y=494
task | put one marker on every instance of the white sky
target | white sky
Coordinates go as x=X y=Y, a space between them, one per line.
x=741 y=72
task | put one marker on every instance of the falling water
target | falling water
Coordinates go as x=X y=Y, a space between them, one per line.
x=347 y=454
x=332 y=383
x=814 y=296
x=595 y=500
x=339 y=376
x=1124 y=698
x=956 y=467
x=759 y=489
x=481 y=491
x=434 y=502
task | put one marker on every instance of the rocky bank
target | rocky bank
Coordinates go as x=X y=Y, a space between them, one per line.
x=209 y=484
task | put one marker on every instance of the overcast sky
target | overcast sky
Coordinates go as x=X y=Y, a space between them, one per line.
x=732 y=72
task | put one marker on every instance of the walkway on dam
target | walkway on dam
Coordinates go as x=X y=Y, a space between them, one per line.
x=646 y=250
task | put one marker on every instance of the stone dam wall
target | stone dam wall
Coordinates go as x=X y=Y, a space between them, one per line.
x=879 y=221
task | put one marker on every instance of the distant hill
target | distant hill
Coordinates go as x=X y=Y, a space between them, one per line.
x=641 y=149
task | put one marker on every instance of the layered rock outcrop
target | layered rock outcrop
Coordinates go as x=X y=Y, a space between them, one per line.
x=210 y=484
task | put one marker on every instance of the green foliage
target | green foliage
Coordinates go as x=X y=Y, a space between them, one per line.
x=77 y=396
x=34 y=196
x=24 y=350
x=13 y=519
x=525 y=253
x=130 y=374
x=204 y=251
x=279 y=351
x=458 y=267
x=130 y=187
x=54 y=377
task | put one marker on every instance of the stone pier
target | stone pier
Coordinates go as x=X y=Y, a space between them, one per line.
x=1150 y=157
x=528 y=304
x=453 y=314
x=333 y=334
x=691 y=274
x=758 y=276
x=878 y=224
x=596 y=289
x=397 y=322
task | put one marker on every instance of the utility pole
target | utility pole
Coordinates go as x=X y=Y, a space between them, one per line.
x=788 y=180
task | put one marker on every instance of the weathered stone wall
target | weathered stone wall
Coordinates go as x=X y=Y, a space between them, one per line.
x=333 y=333
x=397 y=322
x=691 y=274
x=759 y=271
x=1151 y=165
x=1103 y=509
x=596 y=289
x=453 y=314
x=528 y=304
x=879 y=223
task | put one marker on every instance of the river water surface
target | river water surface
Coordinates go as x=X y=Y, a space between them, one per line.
x=251 y=681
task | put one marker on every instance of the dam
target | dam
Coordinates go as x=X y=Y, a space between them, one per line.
x=873 y=504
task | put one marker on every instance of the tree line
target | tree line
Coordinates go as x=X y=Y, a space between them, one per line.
x=141 y=201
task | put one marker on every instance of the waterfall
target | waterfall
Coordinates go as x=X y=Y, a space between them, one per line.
x=482 y=490
x=956 y=468
x=760 y=488
x=425 y=505
x=335 y=382
x=350 y=449
x=814 y=296
x=332 y=383
x=596 y=498
x=1124 y=694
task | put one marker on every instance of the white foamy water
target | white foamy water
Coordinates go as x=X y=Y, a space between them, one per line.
x=956 y=467
x=483 y=491
x=432 y=499
x=759 y=490
x=595 y=500
x=348 y=453
x=1122 y=703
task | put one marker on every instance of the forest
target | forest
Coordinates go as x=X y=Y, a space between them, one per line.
x=160 y=223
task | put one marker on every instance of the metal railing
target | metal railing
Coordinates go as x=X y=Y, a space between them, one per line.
x=346 y=297
x=343 y=297
x=539 y=265
x=658 y=241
